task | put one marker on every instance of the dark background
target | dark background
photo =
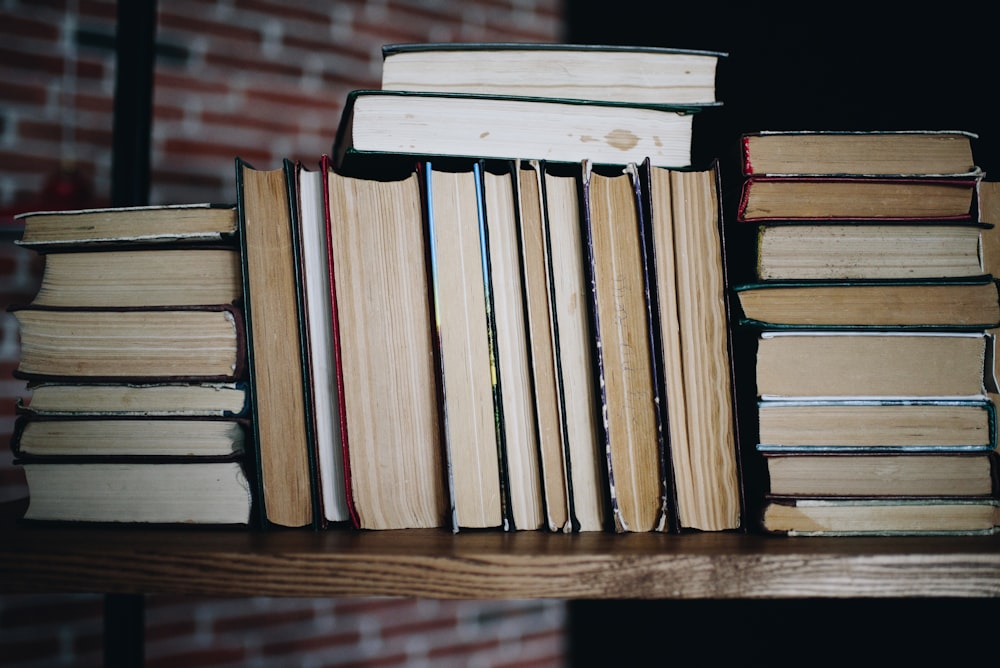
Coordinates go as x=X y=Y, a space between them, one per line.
x=806 y=66
x=823 y=65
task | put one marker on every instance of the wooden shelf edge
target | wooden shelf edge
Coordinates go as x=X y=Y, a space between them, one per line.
x=492 y=565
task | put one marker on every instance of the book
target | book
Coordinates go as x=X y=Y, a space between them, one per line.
x=140 y=276
x=856 y=198
x=163 y=223
x=872 y=153
x=862 y=363
x=194 y=343
x=619 y=296
x=692 y=314
x=877 y=425
x=394 y=464
x=964 y=304
x=546 y=379
x=161 y=491
x=649 y=75
x=887 y=475
x=282 y=449
x=867 y=250
x=388 y=122
x=147 y=399
x=881 y=517
x=84 y=435
x=321 y=370
x=521 y=468
x=454 y=209
x=573 y=334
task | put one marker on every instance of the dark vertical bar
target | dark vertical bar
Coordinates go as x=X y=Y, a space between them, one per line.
x=135 y=52
x=124 y=630
x=124 y=614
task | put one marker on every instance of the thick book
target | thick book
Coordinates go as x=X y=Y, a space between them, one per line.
x=886 y=475
x=862 y=363
x=375 y=123
x=464 y=345
x=860 y=153
x=923 y=304
x=835 y=198
x=866 y=250
x=384 y=325
x=573 y=332
x=181 y=491
x=521 y=467
x=619 y=294
x=648 y=75
x=545 y=371
x=881 y=517
x=876 y=425
x=141 y=275
x=321 y=367
x=154 y=224
x=147 y=399
x=282 y=450
x=692 y=314
x=170 y=343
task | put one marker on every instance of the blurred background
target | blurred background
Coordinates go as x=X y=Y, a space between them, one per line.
x=266 y=80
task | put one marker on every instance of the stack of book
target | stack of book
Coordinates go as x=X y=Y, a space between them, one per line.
x=134 y=353
x=526 y=295
x=870 y=305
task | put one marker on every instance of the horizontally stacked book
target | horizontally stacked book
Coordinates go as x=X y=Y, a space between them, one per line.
x=134 y=353
x=870 y=306
x=528 y=327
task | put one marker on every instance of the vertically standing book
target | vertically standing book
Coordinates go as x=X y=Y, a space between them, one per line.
x=455 y=228
x=619 y=298
x=281 y=426
x=393 y=460
x=684 y=213
x=516 y=405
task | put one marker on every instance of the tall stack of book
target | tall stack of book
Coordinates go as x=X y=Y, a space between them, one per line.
x=134 y=353
x=869 y=308
x=528 y=292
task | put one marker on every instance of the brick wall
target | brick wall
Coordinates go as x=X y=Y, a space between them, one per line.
x=262 y=80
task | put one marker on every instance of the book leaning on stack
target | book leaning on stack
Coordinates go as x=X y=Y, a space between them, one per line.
x=133 y=350
x=867 y=309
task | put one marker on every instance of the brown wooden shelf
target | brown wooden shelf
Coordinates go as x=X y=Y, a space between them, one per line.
x=490 y=565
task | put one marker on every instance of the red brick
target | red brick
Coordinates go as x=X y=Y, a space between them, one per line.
x=30 y=28
x=284 y=125
x=196 y=658
x=168 y=630
x=340 y=49
x=307 y=645
x=207 y=150
x=360 y=606
x=424 y=625
x=254 y=65
x=263 y=619
x=31 y=62
x=27 y=93
x=461 y=649
x=292 y=99
x=101 y=9
x=286 y=11
x=42 y=649
x=168 y=20
x=166 y=80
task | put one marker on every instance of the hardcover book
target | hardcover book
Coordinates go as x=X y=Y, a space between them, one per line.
x=386 y=122
x=647 y=75
x=164 y=223
x=858 y=153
